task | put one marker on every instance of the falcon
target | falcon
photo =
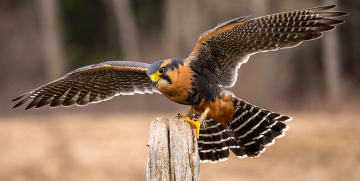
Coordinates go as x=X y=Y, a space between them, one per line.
x=223 y=122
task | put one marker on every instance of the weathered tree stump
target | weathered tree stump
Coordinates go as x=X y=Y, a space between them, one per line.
x=173 y=151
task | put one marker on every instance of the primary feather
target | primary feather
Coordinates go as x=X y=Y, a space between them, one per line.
x=224 y=48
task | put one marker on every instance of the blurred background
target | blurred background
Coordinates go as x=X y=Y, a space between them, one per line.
x=316 y=83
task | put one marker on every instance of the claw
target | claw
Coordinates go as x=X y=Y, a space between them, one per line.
x=180 y=115
x=195 y=124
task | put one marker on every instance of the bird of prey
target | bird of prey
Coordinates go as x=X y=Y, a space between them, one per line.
x=223 y=121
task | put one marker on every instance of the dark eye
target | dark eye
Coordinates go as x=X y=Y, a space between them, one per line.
x=161 y=71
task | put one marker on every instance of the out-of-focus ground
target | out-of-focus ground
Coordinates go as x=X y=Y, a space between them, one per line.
x=318 y=146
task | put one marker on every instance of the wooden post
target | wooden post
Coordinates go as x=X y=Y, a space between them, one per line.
x=173 y=151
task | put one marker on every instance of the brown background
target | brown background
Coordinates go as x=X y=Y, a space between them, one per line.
x=42 y=40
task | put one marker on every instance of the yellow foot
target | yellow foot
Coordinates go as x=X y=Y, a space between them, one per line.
x=194 y=124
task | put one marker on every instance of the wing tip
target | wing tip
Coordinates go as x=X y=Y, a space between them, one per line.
x=21 y=96
x=22 y=100
x=340 y=14
x=324 y=7
x=16 y=105
x=17 y=98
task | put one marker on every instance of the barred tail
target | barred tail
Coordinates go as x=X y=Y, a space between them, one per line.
x=251 y=129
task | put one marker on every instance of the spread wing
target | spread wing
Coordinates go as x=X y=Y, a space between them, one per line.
x=91 y=84
x=224 y=48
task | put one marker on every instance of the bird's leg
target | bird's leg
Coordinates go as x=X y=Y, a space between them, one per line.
x=197 y=123
x=204 y=115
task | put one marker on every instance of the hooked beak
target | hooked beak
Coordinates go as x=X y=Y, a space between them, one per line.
x=155 y=79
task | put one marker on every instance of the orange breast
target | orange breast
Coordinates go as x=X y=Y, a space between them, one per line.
x=181 y=84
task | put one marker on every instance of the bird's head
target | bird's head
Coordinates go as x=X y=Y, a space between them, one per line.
x=164 y=72
x=158 y=73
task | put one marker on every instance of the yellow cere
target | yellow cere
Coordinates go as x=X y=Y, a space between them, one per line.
x=154 y=77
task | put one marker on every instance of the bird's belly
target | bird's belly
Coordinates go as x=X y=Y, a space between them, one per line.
x=221 y=110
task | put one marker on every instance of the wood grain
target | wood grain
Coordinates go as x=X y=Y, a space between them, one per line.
x=173 y=152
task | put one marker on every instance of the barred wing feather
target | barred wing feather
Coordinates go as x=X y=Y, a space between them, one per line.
x=224 y=48
x=91 y=84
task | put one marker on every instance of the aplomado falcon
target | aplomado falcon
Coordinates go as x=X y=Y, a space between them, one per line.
x=228 y=123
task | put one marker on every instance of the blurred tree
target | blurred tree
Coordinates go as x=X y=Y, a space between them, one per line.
x=171 y=32
x=89 y=31
x=350 y=46
x=52 y=39
x=190 y=25
x=332 y=63
x=128 y=33
x=265 y=72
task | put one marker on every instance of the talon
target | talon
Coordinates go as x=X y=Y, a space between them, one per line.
x=194 y=124
x=180 y=115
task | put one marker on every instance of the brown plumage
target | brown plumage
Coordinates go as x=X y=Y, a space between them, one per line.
x=91 y=84
x=228 y=45
x=229 y=123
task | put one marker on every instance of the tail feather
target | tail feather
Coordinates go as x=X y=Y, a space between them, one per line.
x=213 y=142
x=251 y=129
